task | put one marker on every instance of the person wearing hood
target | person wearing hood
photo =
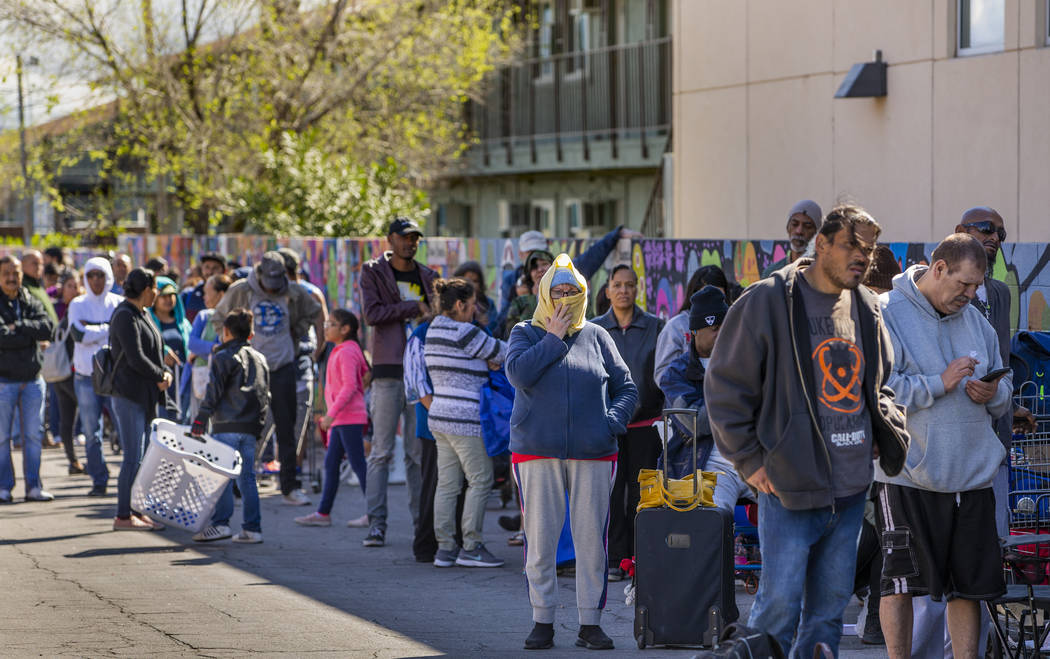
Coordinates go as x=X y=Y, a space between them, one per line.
x=523 y=307
x=282 y=316
x=574 y=396
x=89 y=316
x=170 y=317
x=937 y=516
x=799 y=400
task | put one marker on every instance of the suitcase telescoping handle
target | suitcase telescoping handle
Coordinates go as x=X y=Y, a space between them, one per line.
x=669 y=414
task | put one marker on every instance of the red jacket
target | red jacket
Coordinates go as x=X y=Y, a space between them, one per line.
x=384 y=309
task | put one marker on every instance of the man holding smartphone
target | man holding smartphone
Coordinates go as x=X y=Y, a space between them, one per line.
x=936 y=518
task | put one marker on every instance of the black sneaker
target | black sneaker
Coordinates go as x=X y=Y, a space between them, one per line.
x=615 y=574
x=375 y=538
x=97 y=491
x=510 y=522
x=477 y=557
x=541 y=637
x=593 y=638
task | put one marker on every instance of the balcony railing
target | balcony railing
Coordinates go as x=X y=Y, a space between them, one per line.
x=600 y=94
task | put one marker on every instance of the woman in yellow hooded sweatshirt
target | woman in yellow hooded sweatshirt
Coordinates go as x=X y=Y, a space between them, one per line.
x=573 y=396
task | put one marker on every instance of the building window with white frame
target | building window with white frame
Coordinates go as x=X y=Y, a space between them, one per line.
x=981 y=26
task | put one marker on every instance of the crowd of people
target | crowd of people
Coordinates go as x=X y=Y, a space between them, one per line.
x=844 y=414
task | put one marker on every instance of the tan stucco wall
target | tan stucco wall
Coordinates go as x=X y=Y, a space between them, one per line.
x=756 y=127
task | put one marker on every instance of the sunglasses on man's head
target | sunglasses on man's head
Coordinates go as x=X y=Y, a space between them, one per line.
x=987 y=227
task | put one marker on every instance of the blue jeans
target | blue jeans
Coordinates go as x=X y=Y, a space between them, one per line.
x=808 y=561
x=342 y=440
x=133 y=421
x=28 y=399
x=89 y=405
x=245 y=445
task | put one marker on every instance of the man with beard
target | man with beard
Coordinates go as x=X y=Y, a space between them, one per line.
x=803 y=223
x=396 y=291
x=797 y=396
x=936 y=518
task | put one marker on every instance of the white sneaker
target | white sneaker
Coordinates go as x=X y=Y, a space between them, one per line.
x=296 y=498
x=248 y=537
x=359 y=523
x=314 y=519
x=38 y=494
x=213 y=532
x=80 y=439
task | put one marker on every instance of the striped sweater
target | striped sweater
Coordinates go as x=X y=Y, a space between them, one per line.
x=456 y=354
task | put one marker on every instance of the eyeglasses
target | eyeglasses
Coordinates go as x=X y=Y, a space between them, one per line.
x=987 y=227
x=96 y=274
x=557 y=295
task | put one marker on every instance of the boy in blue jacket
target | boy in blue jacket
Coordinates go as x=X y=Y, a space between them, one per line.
x=683 y=386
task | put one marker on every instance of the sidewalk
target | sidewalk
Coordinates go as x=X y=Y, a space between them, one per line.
x=75 y=588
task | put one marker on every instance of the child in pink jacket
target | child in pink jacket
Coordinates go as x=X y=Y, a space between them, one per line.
x=346 y=378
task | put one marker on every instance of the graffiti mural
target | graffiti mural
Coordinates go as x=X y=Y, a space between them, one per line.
x=663 y=266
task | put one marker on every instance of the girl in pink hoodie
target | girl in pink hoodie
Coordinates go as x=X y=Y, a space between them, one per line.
x=345 y=379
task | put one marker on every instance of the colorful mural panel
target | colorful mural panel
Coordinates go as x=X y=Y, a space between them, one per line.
x=663 y=266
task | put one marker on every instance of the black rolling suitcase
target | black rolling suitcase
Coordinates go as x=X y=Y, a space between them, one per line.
x=684 y=590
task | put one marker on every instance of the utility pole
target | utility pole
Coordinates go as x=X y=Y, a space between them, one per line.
x=27 y=196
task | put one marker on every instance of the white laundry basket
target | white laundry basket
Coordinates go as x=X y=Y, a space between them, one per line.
x=181 y=476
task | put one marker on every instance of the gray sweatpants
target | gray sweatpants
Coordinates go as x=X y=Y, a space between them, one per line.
x=543 y=485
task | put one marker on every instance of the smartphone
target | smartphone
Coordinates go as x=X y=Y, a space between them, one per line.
x=992 y=376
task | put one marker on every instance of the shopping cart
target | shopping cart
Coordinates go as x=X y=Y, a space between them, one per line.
x=1021 y=616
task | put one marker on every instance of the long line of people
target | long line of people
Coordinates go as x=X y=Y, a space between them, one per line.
x=588 y=395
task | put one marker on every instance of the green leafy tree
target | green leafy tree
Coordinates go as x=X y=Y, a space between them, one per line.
x=207 y=96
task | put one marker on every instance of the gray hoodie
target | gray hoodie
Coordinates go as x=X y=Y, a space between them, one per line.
x=954 y=447
x=280 y=320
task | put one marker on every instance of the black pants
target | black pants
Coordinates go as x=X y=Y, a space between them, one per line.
x=639 y=449
x=425 y=545
x=869 y=572
x=67 y=410
x=282 y=405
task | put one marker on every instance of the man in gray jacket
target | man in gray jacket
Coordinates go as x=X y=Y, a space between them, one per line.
x=282 y=314
x=936 y=517
x=797 y=397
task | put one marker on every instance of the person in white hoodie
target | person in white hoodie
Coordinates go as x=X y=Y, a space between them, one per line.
x=936 y=517
x=89 y=316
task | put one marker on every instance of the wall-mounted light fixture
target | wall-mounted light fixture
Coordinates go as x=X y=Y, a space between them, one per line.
x=865 y=80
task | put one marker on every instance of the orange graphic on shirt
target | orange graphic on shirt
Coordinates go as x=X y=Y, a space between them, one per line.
x=840 y=364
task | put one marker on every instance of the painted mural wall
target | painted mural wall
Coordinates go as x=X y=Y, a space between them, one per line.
x=663 y=266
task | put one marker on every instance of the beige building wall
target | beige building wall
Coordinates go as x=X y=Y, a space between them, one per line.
x=757 y=127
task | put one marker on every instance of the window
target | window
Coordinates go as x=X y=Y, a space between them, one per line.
x=590 y=219
x=982 y=26
x=545 y=38
x=1046 y=23
x=517 y=218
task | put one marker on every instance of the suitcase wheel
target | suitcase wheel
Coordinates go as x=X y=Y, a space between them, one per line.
x=641 y=642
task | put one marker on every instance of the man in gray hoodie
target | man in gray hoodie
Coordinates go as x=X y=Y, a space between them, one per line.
x=797 y=397
x=282 y=314
x=937 y=516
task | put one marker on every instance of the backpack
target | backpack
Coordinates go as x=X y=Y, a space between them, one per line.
x=497 y=403
x=740 y=642
x=104 y=371
x=1030 y=359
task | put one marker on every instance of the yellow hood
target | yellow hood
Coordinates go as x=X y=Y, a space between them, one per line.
x=577 y=303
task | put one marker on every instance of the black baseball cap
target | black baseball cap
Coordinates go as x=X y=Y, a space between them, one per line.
x=403 y=226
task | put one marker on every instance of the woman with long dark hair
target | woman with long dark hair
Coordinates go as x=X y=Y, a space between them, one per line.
x=485 y=312
x=139 y=384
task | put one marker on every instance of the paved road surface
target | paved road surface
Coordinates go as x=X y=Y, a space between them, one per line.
x=72 y=587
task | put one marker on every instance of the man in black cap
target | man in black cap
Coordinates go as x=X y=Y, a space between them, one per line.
x=212 y=263
x=282 y=314
x=396 y=291
x=683 y=386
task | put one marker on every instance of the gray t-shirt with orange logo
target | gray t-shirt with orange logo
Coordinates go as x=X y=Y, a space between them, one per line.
x=837 y=362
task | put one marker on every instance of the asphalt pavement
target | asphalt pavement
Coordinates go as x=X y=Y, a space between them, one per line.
x=73 y=587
